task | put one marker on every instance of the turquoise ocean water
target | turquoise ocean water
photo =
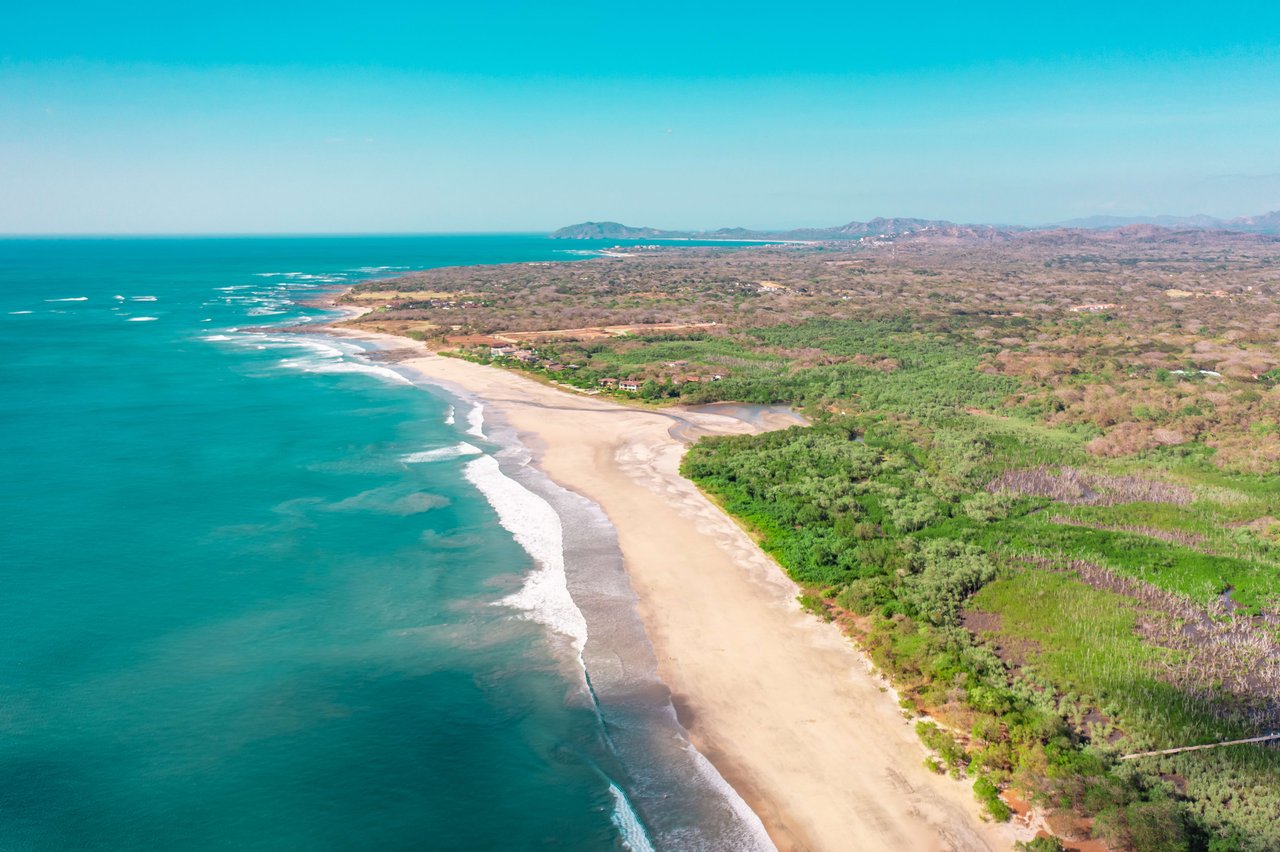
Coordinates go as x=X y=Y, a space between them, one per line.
x=259 y=591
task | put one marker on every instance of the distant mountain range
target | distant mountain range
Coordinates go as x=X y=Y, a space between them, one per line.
x=851 y=231
x=1267 y=223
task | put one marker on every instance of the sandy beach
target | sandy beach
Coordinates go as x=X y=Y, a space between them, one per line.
x=784 y=705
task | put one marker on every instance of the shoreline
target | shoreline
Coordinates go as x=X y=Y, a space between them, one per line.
x=784 y=706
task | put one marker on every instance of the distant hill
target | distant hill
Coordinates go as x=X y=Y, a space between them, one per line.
x=612 y=231
x=1266 y=223
x=1107 y=222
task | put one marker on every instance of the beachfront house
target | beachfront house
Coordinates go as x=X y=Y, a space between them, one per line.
x=608 y=383
x=630 y=385
x=501 y=351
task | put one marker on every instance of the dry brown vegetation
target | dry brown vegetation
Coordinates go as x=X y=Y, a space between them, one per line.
x=1082 y=488
x=1179 y=345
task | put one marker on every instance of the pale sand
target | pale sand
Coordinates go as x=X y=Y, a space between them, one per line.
x=782 y=704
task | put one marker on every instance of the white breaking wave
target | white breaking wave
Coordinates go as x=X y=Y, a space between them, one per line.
x=15 y=313
x=70 y=299
x=634 y=837
x=315 y=347
x=327 y=358
x=535 y=526
x=318 y=366
x=143 y=298
x=256 y=341
x=448 y=415
x=475 y=421
x=218 y=337
x=460 y=449
x=142 y=319
x=756 y=838
x=118 y=298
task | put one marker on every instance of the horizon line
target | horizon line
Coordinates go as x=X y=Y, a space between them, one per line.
x=54 y=235
x=1067 y=222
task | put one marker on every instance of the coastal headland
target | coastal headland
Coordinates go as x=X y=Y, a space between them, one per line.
x=785 y=707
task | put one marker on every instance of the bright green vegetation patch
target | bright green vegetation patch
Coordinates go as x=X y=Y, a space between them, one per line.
x=1085 y=641
x=897 y=337
x=1232 y=489
x=878 y=365
x=1183 y=569
x=700 y=351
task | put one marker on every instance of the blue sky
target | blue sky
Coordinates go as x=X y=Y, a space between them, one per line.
x=395 y=116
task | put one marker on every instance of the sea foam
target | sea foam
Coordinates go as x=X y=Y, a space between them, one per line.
x=535 y=526
x=754 y=836
x=335 y=366
x=475 y=421
x=318 y=357
x=625 y=819
x=70 y=299
x=460 y=449
x=142 y=319
x=315 y=347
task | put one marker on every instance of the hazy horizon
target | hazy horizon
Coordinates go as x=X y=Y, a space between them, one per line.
x=142 y=119
x=125 y=235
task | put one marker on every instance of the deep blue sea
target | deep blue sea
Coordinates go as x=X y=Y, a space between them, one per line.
x=258 y=591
